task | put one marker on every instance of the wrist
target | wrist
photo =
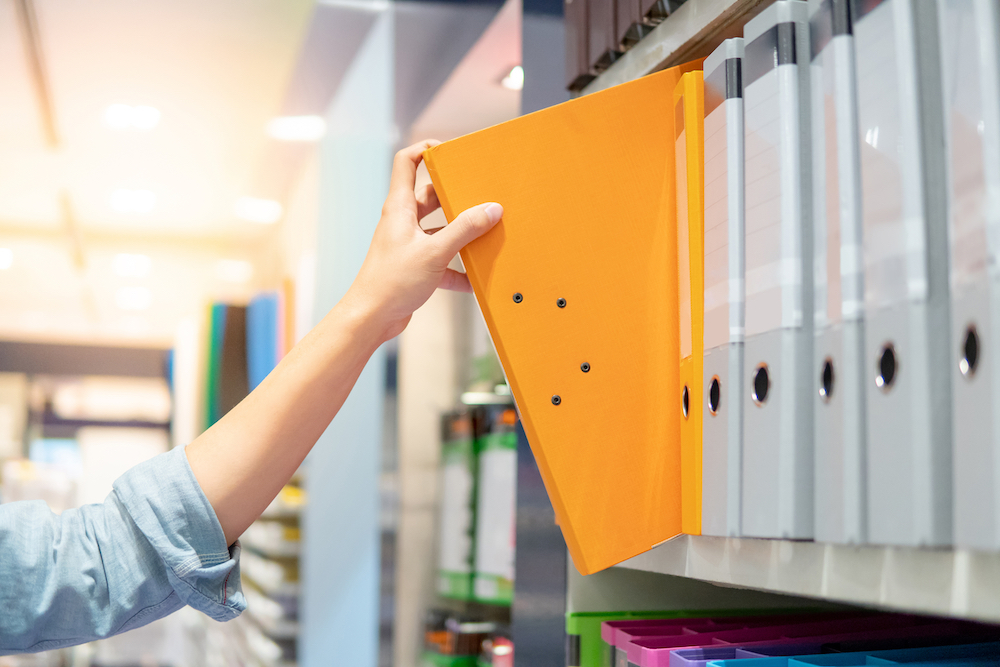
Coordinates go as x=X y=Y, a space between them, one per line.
x=364 y=316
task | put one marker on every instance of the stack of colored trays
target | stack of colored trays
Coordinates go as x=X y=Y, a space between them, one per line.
x=796 y=640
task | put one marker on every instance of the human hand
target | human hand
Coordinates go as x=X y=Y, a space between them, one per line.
x=405 y=264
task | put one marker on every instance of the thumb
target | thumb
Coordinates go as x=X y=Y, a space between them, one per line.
x=467 y=227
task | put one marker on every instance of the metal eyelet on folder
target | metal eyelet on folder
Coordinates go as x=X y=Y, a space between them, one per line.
x=826 y=380
x=561 y=302
x=887 y=368
x=556 y=400
x=761 y=385
x=585 y=367
x=518 y=298
x=714 y=396
x=970 y=352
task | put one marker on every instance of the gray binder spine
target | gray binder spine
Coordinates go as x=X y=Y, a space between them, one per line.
x=971 y=86
x=777 y=485
x=724 y=298
x=907 y=323
x=838 y=362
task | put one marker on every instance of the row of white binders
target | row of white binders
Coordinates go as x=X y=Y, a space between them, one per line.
x=852 y=274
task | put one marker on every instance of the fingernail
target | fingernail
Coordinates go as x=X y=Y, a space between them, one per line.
x=493 y=212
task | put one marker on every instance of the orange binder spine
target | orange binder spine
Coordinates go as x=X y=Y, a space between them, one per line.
x=689 y=159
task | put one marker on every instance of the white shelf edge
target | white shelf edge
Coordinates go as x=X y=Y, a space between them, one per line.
x=692 y=31
x=956 y=583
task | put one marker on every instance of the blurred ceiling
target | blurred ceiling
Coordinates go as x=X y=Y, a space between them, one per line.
x=216 y=72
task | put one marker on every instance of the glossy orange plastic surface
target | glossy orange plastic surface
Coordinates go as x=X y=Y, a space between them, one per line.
x=578 y=285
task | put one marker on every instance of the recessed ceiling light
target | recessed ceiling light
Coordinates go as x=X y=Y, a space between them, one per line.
x=128 y=265
x=127 y=117
x=297 y=128
x=234 y=270
x=264 y=211
x=514 y=79
x=124 y=200
x=133 y=298
x=6 y=258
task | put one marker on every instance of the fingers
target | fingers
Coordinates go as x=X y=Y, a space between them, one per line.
x=427 y=201
x=404 y=167
x=468 y=226
x=455 y=281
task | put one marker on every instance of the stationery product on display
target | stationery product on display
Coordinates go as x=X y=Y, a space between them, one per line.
x=963 y=654
x=577 y=44
x=839 y=369
x=496 y=444
x=456 y=547
x=908 y=352
x=970 y=70
x=723 y=301
x=777 y=485
x=602 y=25
x=584 y=325
x=264 y=328
x=630 y=25
x=585 y=632
x=689 y=172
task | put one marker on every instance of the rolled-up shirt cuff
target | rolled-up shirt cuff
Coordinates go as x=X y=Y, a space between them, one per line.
x=167 y=504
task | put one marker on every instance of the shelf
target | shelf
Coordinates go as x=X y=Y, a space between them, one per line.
x=693 y=31
x=961 y=584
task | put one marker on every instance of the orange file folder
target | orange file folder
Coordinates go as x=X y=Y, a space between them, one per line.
x=578 y=285
x=689 y=152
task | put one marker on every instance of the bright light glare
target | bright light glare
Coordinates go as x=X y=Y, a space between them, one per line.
x=297 y=128
x=133 y=298
x=126 y=117
x=124 y=200
x=129 y=265
x=6 y=258
x=514 y=80
x=234 y=270
x=264 y=211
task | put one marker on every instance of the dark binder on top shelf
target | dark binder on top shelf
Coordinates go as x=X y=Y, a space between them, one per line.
x=602 y=23
x=577 y=44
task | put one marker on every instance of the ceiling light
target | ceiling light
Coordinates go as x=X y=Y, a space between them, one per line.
x=124 y=200
x=127 y=117
x=514 y=79
x=129 y=265
x=6 y=258
x=264 y=211
x=297 y=128
x=133 y=298
x=234 y=270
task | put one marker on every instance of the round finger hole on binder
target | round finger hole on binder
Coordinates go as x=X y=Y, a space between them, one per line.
x=970 y=352
x=685 y=401
x=887 y=368
x=761 y=384
x=826 y=380
x=714 y=396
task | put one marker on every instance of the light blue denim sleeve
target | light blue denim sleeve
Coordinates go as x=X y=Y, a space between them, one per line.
x=153 y=546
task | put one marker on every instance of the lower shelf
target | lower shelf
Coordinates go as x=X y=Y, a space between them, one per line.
x=945 y=582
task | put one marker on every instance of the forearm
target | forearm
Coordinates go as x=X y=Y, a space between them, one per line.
x=243 y=460
x=247 y=456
